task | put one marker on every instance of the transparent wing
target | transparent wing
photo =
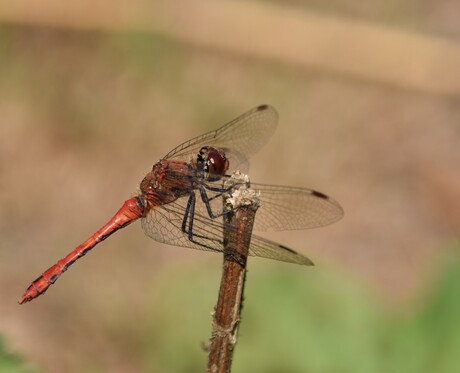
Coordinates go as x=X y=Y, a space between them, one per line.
x=164 y=224
x=287 y=208
x=241 y=138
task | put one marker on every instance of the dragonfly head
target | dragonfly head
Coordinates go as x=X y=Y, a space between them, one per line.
x=212 y=163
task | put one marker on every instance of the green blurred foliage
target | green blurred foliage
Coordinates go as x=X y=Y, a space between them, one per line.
x=315 y=322
x=10 y=363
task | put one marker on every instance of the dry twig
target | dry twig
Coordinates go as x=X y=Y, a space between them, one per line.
x=237 y=236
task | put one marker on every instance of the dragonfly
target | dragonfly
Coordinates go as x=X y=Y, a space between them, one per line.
x=178 y=200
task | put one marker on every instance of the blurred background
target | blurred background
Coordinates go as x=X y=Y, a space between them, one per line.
x=93 y=93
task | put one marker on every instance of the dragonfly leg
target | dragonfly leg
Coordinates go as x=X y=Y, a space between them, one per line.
x=191 y=200
x=206 y=200
x=220 y=191
x=190 y=216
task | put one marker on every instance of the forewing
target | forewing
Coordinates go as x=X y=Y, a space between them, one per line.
x=287 y=208
x=241 y=138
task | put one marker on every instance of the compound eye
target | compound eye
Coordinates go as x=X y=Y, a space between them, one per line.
x=216 y=164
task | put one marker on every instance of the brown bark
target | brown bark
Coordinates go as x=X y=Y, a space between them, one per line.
x=237 y=237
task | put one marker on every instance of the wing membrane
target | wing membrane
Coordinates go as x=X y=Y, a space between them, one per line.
x=241 y=138
x=163 y=224
x=288 y=208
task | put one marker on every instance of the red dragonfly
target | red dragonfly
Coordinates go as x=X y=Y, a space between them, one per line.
x=178 y=202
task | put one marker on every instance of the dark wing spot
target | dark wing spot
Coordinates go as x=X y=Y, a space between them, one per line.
x=287 y=249
x=319 y=194
x=262 y=107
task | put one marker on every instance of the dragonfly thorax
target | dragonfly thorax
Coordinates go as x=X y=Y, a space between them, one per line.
x=168 y=180
x=212 y=163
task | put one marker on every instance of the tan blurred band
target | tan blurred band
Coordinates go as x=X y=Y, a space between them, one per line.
x=290 y=36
